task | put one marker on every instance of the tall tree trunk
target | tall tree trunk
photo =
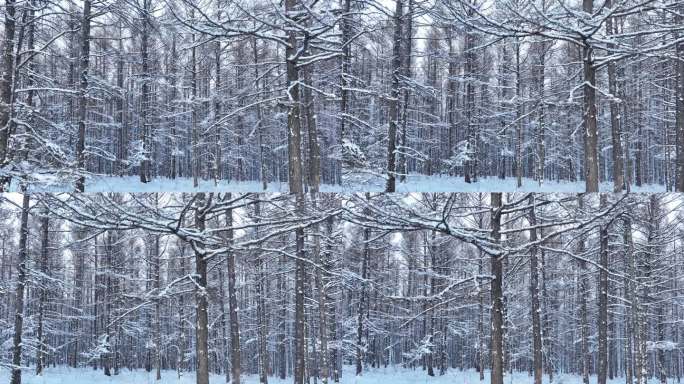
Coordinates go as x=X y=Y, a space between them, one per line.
x=518 y=117
x=42 y=298
x=195 y=131
x=534 y=292
x=469 y=175
x=585 y=356
x=83 y=95
x=321 y=261
x=122 y=152
x=633 y=296
x=202 y=304
x=591 y=163
x=394 y=98
x=362 y=299
x=346 y=25
x=19 y=292
x=218 y=150
x=224 y=328
x=406 y=59
x=145 y=139
x=603 y=304
x=262 y=318
x=6 y=86
x=294 y=139
x=616 y=132
x=300 y=319
x=263 y=170
x=108 y=299
x=541 y=108
x=157 y=305
x=235 y=361
x=314 y=174
x=679 y=131
x=497 y=295
x=181 y=321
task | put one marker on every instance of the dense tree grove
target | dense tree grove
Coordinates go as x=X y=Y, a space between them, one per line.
x=301 y=285
x=349 y=92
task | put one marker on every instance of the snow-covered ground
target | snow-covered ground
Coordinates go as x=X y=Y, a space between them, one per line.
x=163 y=184
x=413 y=183
x=422 y=183
x=63 y=375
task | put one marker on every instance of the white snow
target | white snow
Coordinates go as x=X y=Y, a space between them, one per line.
x=437 y=183
x=350 y=183
x=163 y=184
x=397 y=375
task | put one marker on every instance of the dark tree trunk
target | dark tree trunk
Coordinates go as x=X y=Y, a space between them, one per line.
x=591 y=163
x=394 y=98
x=19 y=292
x=6 y=86
x=603 y=305
x=534 y=292
x=300 y=320
x=497 y=295
x=83 y=95
x=235 y=361
x=294 y=138
x=44 y=246
x=202 y=304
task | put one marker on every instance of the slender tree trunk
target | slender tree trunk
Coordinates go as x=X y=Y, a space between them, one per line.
x=202 y=303
x=224 y=331
x=235 y=361
x=83 y=95
x=406 y=59
x=157 y=306
x=534 y=292
x=585 y=356
x=44 y=246
x=591 y=163
x=300 y=319
x=181 y=322
x=616 y=132
x=497 y=295
x=362 y=299
x=146 y=96
x=195 y=117
x=541 y=108
x=122 y=153
x=218 y=150
x=314 y=174
x=6 y=86
x=344 y=78
x=469 y=175
x=262 y=319
x=394 y=98
x=603 y=305
x=19 y=292
x=518 y=117
x=262 y=160
x=109 y=297
x=322 y=300
x=679 y=131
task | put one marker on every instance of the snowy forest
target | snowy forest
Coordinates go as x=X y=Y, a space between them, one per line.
x=227 y=287
x=349 y=95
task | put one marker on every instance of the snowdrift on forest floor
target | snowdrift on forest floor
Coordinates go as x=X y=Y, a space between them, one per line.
x=397 y=375
x=413 y=183
x=437 y=183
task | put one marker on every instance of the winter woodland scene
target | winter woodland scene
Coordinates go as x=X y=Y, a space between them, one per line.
x=348 y=95
x=326 y=288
